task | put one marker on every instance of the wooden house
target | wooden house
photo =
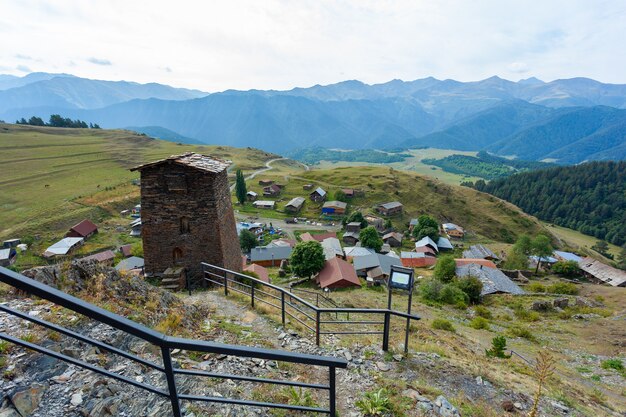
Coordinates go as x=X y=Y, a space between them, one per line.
x=390 y=209
x=318 y=195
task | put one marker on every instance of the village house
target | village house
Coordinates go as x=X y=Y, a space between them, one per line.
x=283 y=242
x=132 y=264
x=393 y=239
x=337 y=273
x=416 y=260
x=376 y=222
x=332 y=248
x=295 y=205
x=11 y=243
x=480 y=252
x=390 y=209
x=83 y=229
x=307 y=237
x=348 y=192
x=494 y=281
x=567 y=256
x=412 y=224
x=63 y=247
x=427 y=250
x=106 y=257
x=477 y=261
x=187 y=216
x=428 y=242
x=602 y=273
x=252 y=196
x=375 y=268
x=135 y=227
x=272 y=190
x=7 y=256
x=126 y=250
x=264 y=204
x=443 y=244
x=265 y=182
x=334 y=207
x=321 y=236
x=269 y=255
x=352 y=252
x=350 y=238
x=453 y=230
x=318 y=195
x=261 y=272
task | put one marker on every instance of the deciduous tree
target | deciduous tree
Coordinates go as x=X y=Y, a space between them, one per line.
x=370 y=239
x=307 y=259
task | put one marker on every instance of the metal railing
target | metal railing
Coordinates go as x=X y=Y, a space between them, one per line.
x=318 y=320
x=166 y=345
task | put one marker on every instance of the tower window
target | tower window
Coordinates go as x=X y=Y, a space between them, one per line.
x=184 y=225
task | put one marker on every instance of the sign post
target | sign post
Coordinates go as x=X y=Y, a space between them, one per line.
x=400 y=278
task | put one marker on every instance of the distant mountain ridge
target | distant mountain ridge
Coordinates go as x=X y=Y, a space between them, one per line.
x=494 y=114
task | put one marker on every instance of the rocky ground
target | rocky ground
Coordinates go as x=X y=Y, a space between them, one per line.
x=421 y=384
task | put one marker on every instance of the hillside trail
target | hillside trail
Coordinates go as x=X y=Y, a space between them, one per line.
x=277 y=337
x=268 y=166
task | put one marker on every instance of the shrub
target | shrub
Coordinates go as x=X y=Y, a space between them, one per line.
x=535 y=287
x=498 y=347
x=442 y=324
x=479 y=323
x=482 y=311
x=526 y=315
x=615 y=364
x=445 y=268
x=451 y=294
x=300 y=398
x=471 y=286
x=523 y=332
x=567 y=268
x=563 y=288
x=374 y=403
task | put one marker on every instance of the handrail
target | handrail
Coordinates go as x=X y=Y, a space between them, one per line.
x=284 y=293
x=166 y=343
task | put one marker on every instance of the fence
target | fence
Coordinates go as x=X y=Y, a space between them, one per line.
x=318 y=320
x=166 y=345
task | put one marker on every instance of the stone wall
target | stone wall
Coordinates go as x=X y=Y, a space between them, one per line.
x=187 y=218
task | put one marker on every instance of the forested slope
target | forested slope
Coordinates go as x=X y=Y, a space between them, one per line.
x=590 y=197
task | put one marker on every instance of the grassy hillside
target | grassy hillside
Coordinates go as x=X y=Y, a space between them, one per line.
x=484 y=215
x=48 y=173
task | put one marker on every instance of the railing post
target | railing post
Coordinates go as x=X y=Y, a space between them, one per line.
x=252 y=294
x=386 y=331
x=225 y=283
x=317 y=327
x=171 y=381
x=332 y=399
x=282 y=306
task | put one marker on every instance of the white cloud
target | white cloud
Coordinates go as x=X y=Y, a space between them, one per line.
x=99 y=61
x=281 y=44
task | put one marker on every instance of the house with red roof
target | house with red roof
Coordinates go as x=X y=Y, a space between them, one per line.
x=83 y=229
x=337 y=273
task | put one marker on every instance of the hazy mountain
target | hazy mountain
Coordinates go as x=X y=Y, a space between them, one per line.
x=159 y=132
x=570 y=137
x=12 y=81
x=66 y=92
x=486 y=127
x=525 y=118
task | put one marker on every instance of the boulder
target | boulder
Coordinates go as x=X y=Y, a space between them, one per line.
x=27 y=400
x=560 y=302
x=445 y=408
x=9 y=412
x=541 y=306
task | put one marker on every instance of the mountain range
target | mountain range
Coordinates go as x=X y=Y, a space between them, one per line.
x=566 y=121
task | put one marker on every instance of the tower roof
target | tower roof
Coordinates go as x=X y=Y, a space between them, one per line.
x=192 y=160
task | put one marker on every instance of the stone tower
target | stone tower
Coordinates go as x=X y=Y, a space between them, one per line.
x=186 y=215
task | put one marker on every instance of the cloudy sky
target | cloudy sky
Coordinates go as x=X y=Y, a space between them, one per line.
x=214 y=46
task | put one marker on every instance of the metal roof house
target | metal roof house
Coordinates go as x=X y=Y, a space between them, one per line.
x=426 y=241
x=334 y=207
x=603 y=273
x=567 y=256
x=444 y=244
x=364 y=263
x=390 y=209
x=269 y=255
x=480 y=251
x=494 y=281
x=129 y=264
x=332 y=248
x=318 y=194
x=295 y=205
x=7 y=256
x=416 y=260
x=63 y=246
